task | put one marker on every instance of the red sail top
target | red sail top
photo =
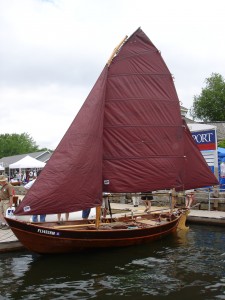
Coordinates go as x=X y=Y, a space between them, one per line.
x=128 y=137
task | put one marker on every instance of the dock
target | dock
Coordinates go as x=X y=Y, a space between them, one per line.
x=205 y=217
x=9 y=242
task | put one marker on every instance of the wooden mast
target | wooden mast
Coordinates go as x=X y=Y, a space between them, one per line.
x=116 y=50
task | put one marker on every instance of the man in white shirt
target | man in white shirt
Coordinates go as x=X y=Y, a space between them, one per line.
x=27 y=187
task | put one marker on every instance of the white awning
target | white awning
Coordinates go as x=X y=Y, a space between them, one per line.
x=27 y=162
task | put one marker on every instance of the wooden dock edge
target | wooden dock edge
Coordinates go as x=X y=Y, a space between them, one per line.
x=206 y=221
x=11 y=247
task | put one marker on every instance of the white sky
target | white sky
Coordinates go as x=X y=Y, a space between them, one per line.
x=52 y=52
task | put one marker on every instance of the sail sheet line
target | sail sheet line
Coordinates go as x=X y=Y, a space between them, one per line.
x=146 y=157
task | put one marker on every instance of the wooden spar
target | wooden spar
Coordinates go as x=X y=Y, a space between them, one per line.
x=115 y=51
x=110 y=211
x=173 y=200
x=98 y=216
x=73 y=226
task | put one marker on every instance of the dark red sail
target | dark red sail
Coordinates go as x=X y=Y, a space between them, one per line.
x=143 y=135
x=128 y=134
x=72 y=178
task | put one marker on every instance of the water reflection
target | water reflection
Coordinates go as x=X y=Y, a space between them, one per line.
x=188 y=264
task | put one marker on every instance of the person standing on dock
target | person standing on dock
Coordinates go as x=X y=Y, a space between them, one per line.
x=215 y=195
x=60 y=221
x=135 y=199
x=6 y=200
x=86 y=213
x=27 y=187
x=105 y=204
x=190 y=195
x=147 y=197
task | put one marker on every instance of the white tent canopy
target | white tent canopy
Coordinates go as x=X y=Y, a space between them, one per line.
x=27 y=162
x=2 y=168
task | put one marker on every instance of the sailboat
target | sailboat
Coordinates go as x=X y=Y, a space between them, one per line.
x=128 y=137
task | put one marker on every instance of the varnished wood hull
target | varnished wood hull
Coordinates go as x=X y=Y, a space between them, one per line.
x=48 y=238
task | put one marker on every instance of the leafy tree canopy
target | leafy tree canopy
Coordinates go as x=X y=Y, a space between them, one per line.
x=210 y=104
x=14 y=144
x=221 y=144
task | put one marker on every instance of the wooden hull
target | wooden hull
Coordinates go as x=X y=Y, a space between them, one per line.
x=73 y=236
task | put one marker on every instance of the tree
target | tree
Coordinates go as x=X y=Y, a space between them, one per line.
x=221 y=144
x=209 y=105
x=13 y=144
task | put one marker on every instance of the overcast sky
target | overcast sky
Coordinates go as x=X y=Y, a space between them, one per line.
x=51 y=53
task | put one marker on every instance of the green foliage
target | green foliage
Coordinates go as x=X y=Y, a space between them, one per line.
x=209 y=105
x=14 y=144
x=221 y=144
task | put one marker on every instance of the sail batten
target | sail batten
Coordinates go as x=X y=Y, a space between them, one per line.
x=128 y=133
x=148 y=52
x=145 y=157
x=139 y=98
x=139 y=74
x=144 y=126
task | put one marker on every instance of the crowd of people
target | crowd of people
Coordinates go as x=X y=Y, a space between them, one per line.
x=189 y=195
x=23 y=177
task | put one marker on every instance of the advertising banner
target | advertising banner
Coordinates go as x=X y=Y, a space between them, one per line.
x=206 y=140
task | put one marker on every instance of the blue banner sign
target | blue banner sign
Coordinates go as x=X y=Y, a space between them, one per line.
x=206 y=140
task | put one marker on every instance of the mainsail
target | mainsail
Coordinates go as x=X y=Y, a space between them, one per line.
x=127 y=137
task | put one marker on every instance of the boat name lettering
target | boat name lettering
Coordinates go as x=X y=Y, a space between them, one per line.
x=46 y=231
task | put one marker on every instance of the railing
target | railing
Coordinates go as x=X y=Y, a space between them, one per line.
x=203 y=197
x=206 y=196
